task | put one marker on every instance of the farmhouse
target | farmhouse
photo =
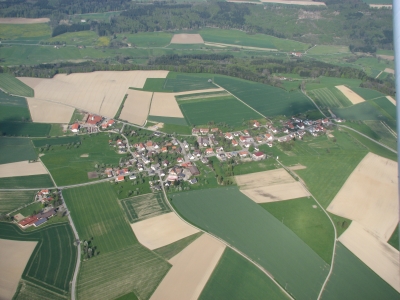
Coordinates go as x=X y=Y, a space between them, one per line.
x=204 y=130
x=93 y=119
x=243 y=154
x=119 y=178
x=195 y=131
x=194 y=170
x=228 y=136
x=37 y=219
x=75 y=127
x=258 y=155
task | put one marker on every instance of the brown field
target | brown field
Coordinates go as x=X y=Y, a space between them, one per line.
x=49 y=112
x=23 y=20
x=184 y=38
x=369 y=196
x=161 y=230
x=14 y=257
x=98 y=92
x=165 y=105
x=270 y=186
x=136 y=107
x=378 y=255
x=390 y=98
x=352 y=96
x=388 y=70
x=295 y=2
x=388 y=57
x=22 y=168
x=191 y=268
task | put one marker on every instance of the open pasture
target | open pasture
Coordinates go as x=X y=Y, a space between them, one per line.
x=167 y=120
x=165 y=105
x=56 y=141
x=136 y=106
x=26 y=182
x=43 y=111
x=184 y=38
x=13 y=200
x=144 y=207
x=16 y=149
x=22 y=168
x=52 y=263
x=226 y=212
x=326 y=97
x=13 y=108
x=24 y=129
x=27 y=32
x=12 y=85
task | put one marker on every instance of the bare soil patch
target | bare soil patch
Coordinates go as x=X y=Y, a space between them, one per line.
x=184 y=38
x=22 y=168
x=297 y=167
x=387 y=57
x=191 y=268
x=261 y=179
x=352 y=96
x=295 y=2
x=85 y=155
x=49 y=112
x=92 y=175
x=23 y=20
x=390 y=98
x=136 y=106
x=388 y=70
x=14 y=257
x=162 y=230
x=165 y=105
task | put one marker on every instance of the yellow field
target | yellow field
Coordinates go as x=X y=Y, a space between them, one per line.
x=136 y=107
x=22 y=168
x=165 y=105
x=49 y=112
x=352 y=96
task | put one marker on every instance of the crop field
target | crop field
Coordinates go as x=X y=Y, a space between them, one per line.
x=16 y=149
x=225 y=212
x=26 y=182
x=144 y=207
x=13 y=200
x=328 y=49
x=52 y=263
x=384 y=135
x=68 y=167
x=266 y=99
x=227 y=110
x=13 y=108
x=374 y=64
x=386 y=107
x=169 y=251
x=236 y=278
x=28 y=291
x=352 y=279
x=331 y=82
x=56 y=141
x=24 y=129
x=308 y=222
x=12 y=85
x=27 y=32
x=179 y=83
x=147 y=39
x=325 y=97
x=82 y=38
x=367 y=94
x=167 y=120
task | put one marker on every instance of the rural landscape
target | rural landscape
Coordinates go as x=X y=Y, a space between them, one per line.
x=198 y=150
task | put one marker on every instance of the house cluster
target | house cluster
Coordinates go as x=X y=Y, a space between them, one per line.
x=38 y=219
x=120 y=145
x=183 y=172
x=92 y=122
x=44 y=196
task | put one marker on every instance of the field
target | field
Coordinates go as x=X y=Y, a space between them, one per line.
x=254 y=166
x=136 y=106
x=16 y=149
x=26 y=32
x=143 y=207
x=225 y=212
x=24 y=129
x=328 y=49
x=266 y=99
x=81 y=38
x=22 y=168
x=23 y=20
x=226 y=110
x=177 y=82
x=235 y=278
x=26 y=182
x=55 y=112
x=12 y=85
x=165 y=105
x=350 y=94
x=52 y=263
x=29 y=291
x=167 y=120
x=169 y=251
x=178 y=129
x=12 y=200
x=367 y=94
x=353 y=279
x=325 y=97
x=56 y=141
x=147 y=39
x=13 y=108
x=184 y=38
x=384 y=135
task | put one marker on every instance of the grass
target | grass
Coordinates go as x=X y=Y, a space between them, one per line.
x=26 y=182
x=141 y=186
x=76 y=116
x=147 y=39
x=13 y=108
x=169 y=251
x=27 y=32
x=254 y=166
x=236 y=278
x=309 y=223
x=177 y=129
x=81 y=38
x=363 y=127
x=24 y=129
x=57 y=130
x=383 y=133
x=394 y=239
x=167 y=120
x=143 y=207
x=27 y=291
x=328 y=49
x=129 y=296
x=13 y=200
x=56 y=141
x=121 y=107
x=352 y=279
x=30 y=209
x=326 y=98
x=226 y=213
x=52 y=263
x=331 y=82
x=16 y=149
x=367 y=94
x=12 y=85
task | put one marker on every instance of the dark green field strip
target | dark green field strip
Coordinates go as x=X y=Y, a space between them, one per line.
x=227 y=110
x=132 y=269
x=174 y=248
x=12 y=85
x=352 y=279
x=167 y=120
x=16 y=149
x=387 y=106
x=14 y=114
x=96 y=214
x=26 y=182
x=367 y=94
x=13 y=200
x=24 y=129
x=12 y=101
x=52 y=263
x=229 y=214
x=56 y=141
x=236 y=278
x=394 y=239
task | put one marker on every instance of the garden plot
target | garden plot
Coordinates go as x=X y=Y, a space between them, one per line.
x=391 y=99
x=165 y=105
x=191 y=268
x=184 y=38
x=270 y=186
x=161 y=230
x=23 y=20
x=136 y=106
x=97 y=92
x=352 y=96
x=14 y=257
x=22 y=168
x=49 y=112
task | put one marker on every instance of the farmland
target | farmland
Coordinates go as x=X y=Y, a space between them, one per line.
x=26 y=32
x=384 y=135
x=225 y=212
x=13 y=108
x=167 y=120
x=56 y=141
x=52 y=263
x=226 y=109
x=24 y=129
x=237 y=278
x=367 y=94
x=147 y=39
x=178 y=82
x=173 y=249
x=13 y=200
x=326 y=97
x=26 y=182
x=12 y=85
x=28 y=291
x=16 y=149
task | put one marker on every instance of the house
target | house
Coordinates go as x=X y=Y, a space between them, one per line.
x=194 y=170
x=197 y=153
x=243 y=153
x=193 y=181
x=195 y=131
x=203 y=141
x=28 y=221
x=214 y=130
x=246 y=133
x=132 y=177
x=155 y=167
x=268 y=137
x=93 y=119
x=180 y=160
x=258 y=155
x=165 y=163
x=325 y=121
x=204 y=160
x=269 y=144
x=256 y=124
x=164 y=149
x=110 y=123
x=75 y=127
x=204 y=130
x=209 y=151
x=234 y=143
x=125 y=171
x=300 y=125
x=219 y=149
x=242 y=139
x=109 y=172
x=236 y=133
x=149 y=144
x=228 y=136
x=186 y=164
x=259 y=140
x=141 y=147
x=191 y=156
x=156 y=146
x=274 y=130
x=44 y=192
x=140 y=167
x=285 y=130
x=119 y=178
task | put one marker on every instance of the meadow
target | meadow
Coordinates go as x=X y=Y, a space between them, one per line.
x=16 y=149
x=126 y=189
x=326 y=97
x=236 y=278
x=12 y=85
x=384 y=135
x=26 y=182
x=167 y=120
x=169 y=251
x=178 y=82
x=26 y=32
x=177 y=129
x=328 y=49
x=331 y=82
x=52 y=263
x=28 y=129
x=147 y=39
x=226 y=110
x=226 y=212
x=13 y=108
x=13 y=200
x=81 y=38
x=367 y=94
x=56 y=141
x=352 y=279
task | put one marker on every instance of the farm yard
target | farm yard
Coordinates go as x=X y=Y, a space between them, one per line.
x=136 y=106
x=15 y=199
x=13 y=108
x=225 y=212
x=26 y=182
x=22 y=168
x=55 y=112
x=12 y=85
x=16 y=149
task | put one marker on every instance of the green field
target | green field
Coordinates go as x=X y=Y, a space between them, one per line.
x=394 y=239
x=235 y=278
x=254 y=166
x=310 y=224
x=16 y=149
x=266 y=99
x=352 y=279
x=81 y=38
x=56 y=141
x=26 y=182
x=226 y=213
x=12 y=200
x=218 y=110
x=169 y=251
x=13 y=108
x=12 y=85
x=177 y=82
x=29 y=291
x=177 y=129
x=326 y=97
x=52 y=263
x=143 y=207
x=167 y=120
x=27 y=32
x=331 y=82
x=367 y=94
x=383 y=133
x=24 y=129
x=147 y=39
x=328 y=49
